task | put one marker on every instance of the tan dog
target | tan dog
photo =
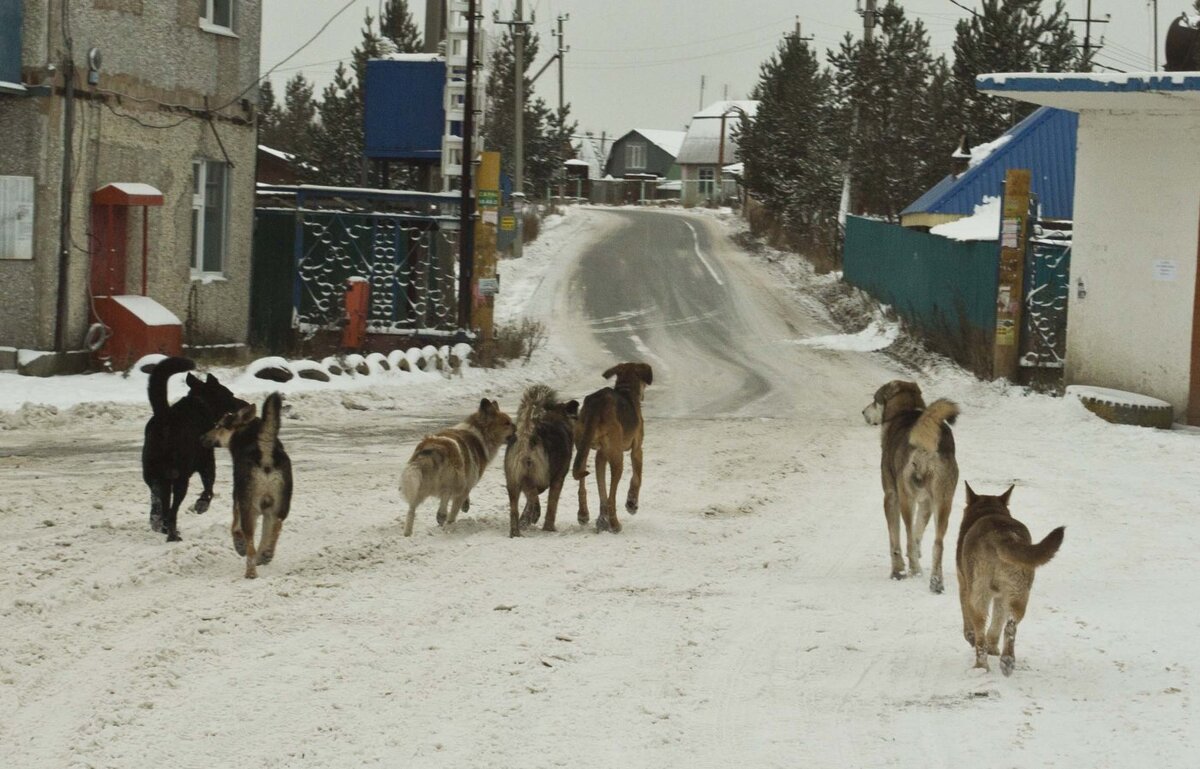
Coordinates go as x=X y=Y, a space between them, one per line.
x=919 y=471
x=996 y=562
x=610 y=422
x=448 y=464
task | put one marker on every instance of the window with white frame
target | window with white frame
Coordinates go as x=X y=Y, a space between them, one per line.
x=635 y=156
x=706 y=181
x=210 y=212
x=217 y=15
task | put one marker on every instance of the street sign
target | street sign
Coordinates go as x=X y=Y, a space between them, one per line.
x=508 y=223
x=489 y=198
x=489 y=286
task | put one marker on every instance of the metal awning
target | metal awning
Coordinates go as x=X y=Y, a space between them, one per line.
x=127 y=194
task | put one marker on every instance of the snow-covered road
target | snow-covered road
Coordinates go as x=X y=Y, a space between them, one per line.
x=743 y=618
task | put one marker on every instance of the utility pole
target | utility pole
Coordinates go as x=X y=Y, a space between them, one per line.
x=868 y=14
x=562 y=51
x=797 y=36
x=1155 y=4
x=701 y=93
x=466 y=235
x=1088 y=21
x=518 y=24
x=435 y=25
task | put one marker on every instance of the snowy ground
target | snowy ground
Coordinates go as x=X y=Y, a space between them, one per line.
x=744 y=617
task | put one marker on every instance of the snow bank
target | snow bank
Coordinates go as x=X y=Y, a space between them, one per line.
x=879 y=335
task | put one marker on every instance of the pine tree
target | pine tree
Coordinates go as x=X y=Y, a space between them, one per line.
x=397 y=25
x=338 y=140
x=1008 y=36
x=268 y=114
x=547 y=135
x=791 y=159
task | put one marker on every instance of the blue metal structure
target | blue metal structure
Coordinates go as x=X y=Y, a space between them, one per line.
x=404 y=115
x=10 y=41
x=1044 y=142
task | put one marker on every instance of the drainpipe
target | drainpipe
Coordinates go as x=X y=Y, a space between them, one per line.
x=68 y=160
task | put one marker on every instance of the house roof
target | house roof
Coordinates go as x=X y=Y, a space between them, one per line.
x=702 y=144
x=1164 y=92
x=128 y=194
x=591 y=152
x=668 y=141
x=1044 y=142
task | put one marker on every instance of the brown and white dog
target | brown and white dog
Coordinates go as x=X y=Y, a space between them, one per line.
x=448 y=464
x=996 y=561
x=262 y=478
x=539 y=456
x=610 y=422
x=919 y=471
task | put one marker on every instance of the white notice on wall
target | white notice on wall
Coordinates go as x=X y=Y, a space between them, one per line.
x=16 y=217
x=1165 y=270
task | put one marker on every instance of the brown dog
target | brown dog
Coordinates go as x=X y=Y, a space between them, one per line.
x=610 y=422
x=919 y=471
x=996 y=561
x=539 y=455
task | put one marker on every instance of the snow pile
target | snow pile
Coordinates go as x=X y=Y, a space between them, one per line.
x=984 y=224
x=980 y=152
x=879 y=335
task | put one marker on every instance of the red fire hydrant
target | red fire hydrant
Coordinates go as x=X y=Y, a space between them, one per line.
x=354 y=329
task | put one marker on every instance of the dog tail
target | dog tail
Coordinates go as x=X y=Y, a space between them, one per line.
x=411 y=480
x=166 y=368
x=926 y=434
x=534 y=403
x=271 y=412
x=588 y=415
x=1032 y=555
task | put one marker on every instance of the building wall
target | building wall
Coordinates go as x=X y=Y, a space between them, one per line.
x=658 y=161
x=1133 y=331
x=154 y=54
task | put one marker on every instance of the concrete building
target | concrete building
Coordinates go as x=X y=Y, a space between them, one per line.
x=708 y=147
x=1132 y=322
x=147 y=96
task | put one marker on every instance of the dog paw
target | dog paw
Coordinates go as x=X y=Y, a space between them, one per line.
x=1007 y=664
x=157 y=525
x=993 y=649
x=602 y=524
x=512 y=533
x=174 y=537
x=264 y=558
x=441 y=519
x=201 y=505
x=240 y=546
x=898 y=575
x=631 y=508
x=548 y=527
x=251 y=574
x=970 y=636
x=466 y=506
x=936 y=585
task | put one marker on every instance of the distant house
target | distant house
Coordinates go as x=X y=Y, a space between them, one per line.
x=1134 y=314
x=158 y=197
x=1044 y=143
x=276 y=167
x=593 y=150
x=708 y=147
x=643 y=153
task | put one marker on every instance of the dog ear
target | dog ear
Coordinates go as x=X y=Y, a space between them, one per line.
x=485 y=406
x=645 y=373
x=611 y=372
x=193 y=382
x=971 y=495
x=1007 y=493
x=212 y=380
x=571 y=408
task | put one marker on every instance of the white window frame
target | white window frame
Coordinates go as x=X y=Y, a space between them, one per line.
x=200 y=208
x=635 y=156
x=208 y=21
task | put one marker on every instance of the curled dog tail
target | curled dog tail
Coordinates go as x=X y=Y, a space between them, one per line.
x=926 y=434
x=1032 y=555
x=534 y=403
x=157 y=389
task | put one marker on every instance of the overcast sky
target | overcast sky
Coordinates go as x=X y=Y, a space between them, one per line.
x=638 y=63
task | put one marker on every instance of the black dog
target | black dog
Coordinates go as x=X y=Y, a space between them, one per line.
x=172 y=451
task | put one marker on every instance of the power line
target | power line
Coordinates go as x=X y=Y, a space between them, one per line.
x=661 y=62
x=688 y=44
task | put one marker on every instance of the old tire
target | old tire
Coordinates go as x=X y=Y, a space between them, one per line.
x=1124 y=408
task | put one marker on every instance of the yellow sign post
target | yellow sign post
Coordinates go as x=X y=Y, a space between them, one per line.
x=486 y=277
x=1014 y=237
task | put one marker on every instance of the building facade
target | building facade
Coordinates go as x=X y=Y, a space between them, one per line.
x=709 y=146
x=645 y=152
x=128 y=92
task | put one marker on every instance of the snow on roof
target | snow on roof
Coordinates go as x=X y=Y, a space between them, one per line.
x=980 y=152
x=702 y=144
x=984 y=224
x=147 y=310
x=276 y=153
x=1163 y=92
x=668 y=141
x=575 y=162
x=590 y=152
x=413 y=57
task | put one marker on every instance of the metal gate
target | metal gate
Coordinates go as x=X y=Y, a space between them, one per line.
x=1047 y=287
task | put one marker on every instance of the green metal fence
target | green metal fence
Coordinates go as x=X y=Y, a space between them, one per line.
x=936 y=284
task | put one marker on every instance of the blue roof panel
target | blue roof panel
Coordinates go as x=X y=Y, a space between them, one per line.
x=1044 y=142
